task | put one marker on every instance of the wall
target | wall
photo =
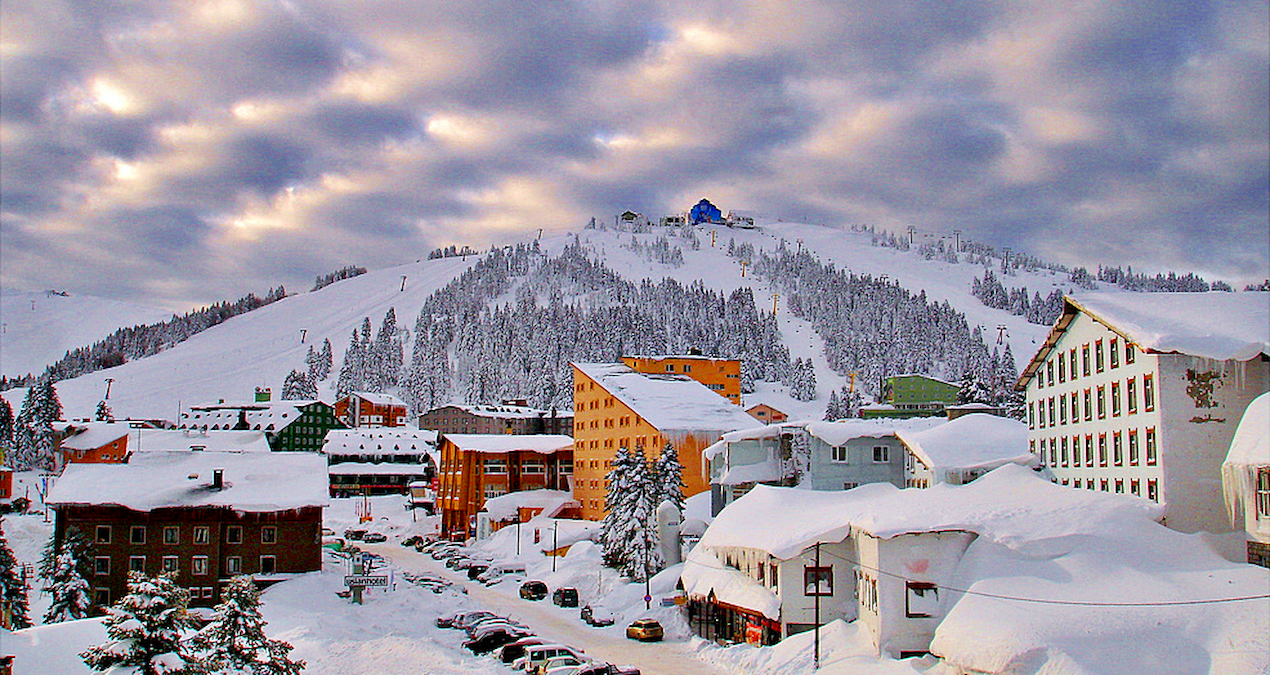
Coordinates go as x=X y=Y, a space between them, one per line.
x=799 y=608
x=859 y=469
x=722 y=376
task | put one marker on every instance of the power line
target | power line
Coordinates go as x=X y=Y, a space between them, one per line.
x=1044 y=601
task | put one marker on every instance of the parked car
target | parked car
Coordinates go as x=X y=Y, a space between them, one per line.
x=539 y=654
x=476 y=569
x=601 y=668
x=498 y=571
x=514 y=650
x=645 y=630
x=448 y=620
x=533 y=590
x=374 y=538
x=328 y=532
x=597 y=616
x=354 y=534
x=565 y=597
x=488 y=641
x=556 y=663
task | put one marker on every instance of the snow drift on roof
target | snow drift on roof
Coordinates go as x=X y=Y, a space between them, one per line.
x=703 y=573
x=273 y=415
x=1212 y=325
x=93 y=435
x=165 y=440
x=973 y=441
x=504 y=507
x=1251 y=444
x=1012 y=505
x=379 y=399
x=252 y=481
x=379 y=441
x=837 y=433
x=670 y=403
x=545 y=444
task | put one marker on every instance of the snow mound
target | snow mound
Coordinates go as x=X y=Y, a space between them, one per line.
x=1212 y=325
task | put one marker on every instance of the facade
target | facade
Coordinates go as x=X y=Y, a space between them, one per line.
x=616 y=407
x=913 y=396
x=6 y=482
x=91 y=443
x=365 y=409
x=477 y=467
x=1140 y=393
x=1246 y=480
x=766 y=414
x=289 y=426
x=379 y=461
x=509 y=417
x=207 y=515
x=963 y=449
x=722 y=376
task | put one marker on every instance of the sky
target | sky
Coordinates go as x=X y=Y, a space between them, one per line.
x=180 y=153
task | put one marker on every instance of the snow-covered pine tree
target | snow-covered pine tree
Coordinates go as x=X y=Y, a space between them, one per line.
x=69 y=590
x=235 y=642
x=6 y=429
x=104 y=413
x=146 y=630
x=1014 y=401
x=35 y=436
x=13 y=601
x=668 y=473
x=325 y=361
x=643 y=555
x=348 y=381
x=618 y=527
x=299 y=387
x=852 y=403
x=386 y=355
x=833 y=411
x=311 y=362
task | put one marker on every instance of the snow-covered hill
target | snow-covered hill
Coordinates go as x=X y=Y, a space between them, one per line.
x=260 y=347
x=39 y=327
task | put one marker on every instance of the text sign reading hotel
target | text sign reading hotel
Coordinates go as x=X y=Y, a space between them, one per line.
x=365 y=580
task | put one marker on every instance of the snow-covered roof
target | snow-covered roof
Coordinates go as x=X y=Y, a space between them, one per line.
x=1011 y=505
x=380 y=441
x=837 y=433
x=92 y=435
x=973 y=441
x=504 y=411
x=147 y=440
x=259 y=416
x=252 y=481
x=670 y=403
x=55 y=647
x=545 y=444
x=766 y=470
x=504 y=507
x=378 y=398
x=373 y=469
x=1251 y=444
x=703 y=574
x=926 y=377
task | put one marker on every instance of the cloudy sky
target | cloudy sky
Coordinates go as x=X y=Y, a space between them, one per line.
x=183 y=152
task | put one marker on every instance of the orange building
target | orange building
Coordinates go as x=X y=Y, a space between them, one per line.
x=766 y=414
x=6 y=482
x=476 y=467
x=366 y=409
x=722 y=376
x=92 y=443
x=616 y=407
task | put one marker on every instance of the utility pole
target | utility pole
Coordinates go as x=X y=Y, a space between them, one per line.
x=712 y=233
x=555 y=543
x=304 y=334
x=775 y=297
x=109 y=380
x=517 y=534
x=957 y=240
x=743 y=266
x=648 y=593
x=817 y=619
x=403 y=283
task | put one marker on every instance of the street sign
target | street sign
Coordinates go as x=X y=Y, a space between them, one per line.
x=648 y=598
x=365 y=580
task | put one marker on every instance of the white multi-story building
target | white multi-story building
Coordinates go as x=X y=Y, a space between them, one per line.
x=1141 y=393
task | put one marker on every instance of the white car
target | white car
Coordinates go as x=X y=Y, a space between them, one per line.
x=560 y=665
x=539 y=654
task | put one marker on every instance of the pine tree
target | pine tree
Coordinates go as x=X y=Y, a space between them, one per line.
x=6 y=430
x=299 y=386
x=235 y=640
x=618 y=529
x=35 y=438
x=348 y=381
x=104 y=413
x=668 y=474
x=69 y=590
x=325 y=361
x=146 y=630
x=833 y=411
x=13 y=601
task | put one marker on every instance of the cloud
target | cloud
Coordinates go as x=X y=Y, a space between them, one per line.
x=188 y=152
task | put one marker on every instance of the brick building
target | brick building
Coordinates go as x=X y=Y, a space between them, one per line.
x=509 y=417
x=207 y=515
x=476 y=467
x=367 y=409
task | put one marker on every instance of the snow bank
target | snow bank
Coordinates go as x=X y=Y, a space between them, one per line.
x=670 y=403
x=54 y=648
x=845 y=649
x=151 y=480
x=505 y=507
x=973 y=441
x=1249 y=450
x=1213 y=325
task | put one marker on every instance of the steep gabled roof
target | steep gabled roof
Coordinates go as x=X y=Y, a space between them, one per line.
x=670 y=403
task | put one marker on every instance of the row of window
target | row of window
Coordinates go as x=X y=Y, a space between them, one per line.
x=499 y=466
x=172 y=534
x=1064 y=364
x=1106 y=485
x=611 y=443
x=1069 y=407
x=199 y=564
x=839 y=454
x=1059 y=452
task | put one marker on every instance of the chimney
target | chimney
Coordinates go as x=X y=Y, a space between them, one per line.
x=263 y=395
x=218 y=479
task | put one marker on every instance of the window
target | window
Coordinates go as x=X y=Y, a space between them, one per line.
x=1117 y=449
x=1150 y=443
x=234 y=565
x=1062 y=368
x=1098 y=359
x=1053 y=417
x=268 y=564
x=1153 y=490
x=200 y=565
x=1263 y=493
x=838 y=453
x=1102 y=449
x=172 y=535
x=1049 y=373
x=1041 y=408
x=269 y=535
x=1115 y=399
x=495 y=466
x=137 y=563
x=1148 y=393
x=1119 y=486
x=103 y=534
x=1076 y=451
x=201 y=535
x=1072 y=363
x=1102 y=402
x=687 y=367
x=1062 y=456
x=818 y=581
x=493 y=490
x=850 y=486
x=1084 y=360
x=1089 y=450
x=921 y=600
x=1031 y=415
x=1114 y=352
x=533 y=466
x=170 y=563
x=1135 y=487
x=1131 y=394
x=1128 y=352
x=1089 y=408
x=101 y=564
x=881 y=454
x=234 y=535
x=1102 y=485
x=1133 y=447
x=1062 y=409
x=1075 y=409
x=137 y=534
x=670 y=367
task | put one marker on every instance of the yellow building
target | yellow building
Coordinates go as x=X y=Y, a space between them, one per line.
x=616 y=407
x=722 y=376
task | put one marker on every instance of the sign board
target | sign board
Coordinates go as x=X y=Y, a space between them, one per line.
x=365 y=580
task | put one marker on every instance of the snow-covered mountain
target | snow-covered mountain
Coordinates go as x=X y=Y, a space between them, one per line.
x=259 y=348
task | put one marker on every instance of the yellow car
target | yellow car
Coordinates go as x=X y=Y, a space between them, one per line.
x=645 y=630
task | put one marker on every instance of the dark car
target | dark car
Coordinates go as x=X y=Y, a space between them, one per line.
x=565 y=597
x=597 y=616
x=474 y=570
x=533 y=590
x=514 y=650
x=354 y=534
x=488 y=641
x=374 y=538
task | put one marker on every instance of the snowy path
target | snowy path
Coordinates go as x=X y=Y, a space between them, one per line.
x=560 y=624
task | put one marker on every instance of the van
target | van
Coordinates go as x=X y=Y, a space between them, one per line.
x=498 y=571
x=538 y=654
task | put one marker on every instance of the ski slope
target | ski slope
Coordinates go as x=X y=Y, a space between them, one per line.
x=259 y=348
